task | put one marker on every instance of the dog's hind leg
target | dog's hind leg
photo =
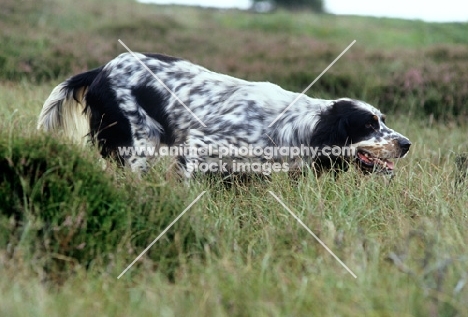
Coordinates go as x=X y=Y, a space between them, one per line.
x=146 y=136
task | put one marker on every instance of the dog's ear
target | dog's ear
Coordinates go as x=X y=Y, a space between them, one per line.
x=331 y=129
x=342 y=134
x=338 y=132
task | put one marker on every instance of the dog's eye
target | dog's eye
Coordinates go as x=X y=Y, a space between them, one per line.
x=368 y=126
x=383 y=119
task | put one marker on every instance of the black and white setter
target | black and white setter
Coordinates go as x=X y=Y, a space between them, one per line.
x=151 y=100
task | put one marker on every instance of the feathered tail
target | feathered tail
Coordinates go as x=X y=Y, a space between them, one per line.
x=64 y=110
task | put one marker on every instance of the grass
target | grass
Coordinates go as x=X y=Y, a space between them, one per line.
x=69 y=228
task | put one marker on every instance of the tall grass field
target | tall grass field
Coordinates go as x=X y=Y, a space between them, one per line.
x=71 y=223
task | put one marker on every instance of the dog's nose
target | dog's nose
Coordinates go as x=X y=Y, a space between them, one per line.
x=404 y=146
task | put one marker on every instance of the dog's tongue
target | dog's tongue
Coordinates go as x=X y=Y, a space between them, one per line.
x=378 y=161
x=389 y=164
x=385 y=163
x=365 y=158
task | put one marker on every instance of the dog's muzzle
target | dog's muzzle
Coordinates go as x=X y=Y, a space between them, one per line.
x=376 y=159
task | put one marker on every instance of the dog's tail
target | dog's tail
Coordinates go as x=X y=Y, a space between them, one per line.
x=65 y=110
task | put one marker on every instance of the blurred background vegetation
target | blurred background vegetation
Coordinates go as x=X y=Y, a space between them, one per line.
x=47 y=40
x=68 y=227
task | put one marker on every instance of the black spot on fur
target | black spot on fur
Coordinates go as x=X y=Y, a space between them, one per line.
x=342 y=124
x=163 y=58
x=83 y=80
x=108 y=124
x=153 y=102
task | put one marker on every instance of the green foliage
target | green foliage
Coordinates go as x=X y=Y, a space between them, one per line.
x=55 y=201
x=392 y=59
x=68 y=227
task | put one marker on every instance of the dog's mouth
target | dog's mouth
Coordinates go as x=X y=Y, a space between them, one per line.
x=370 y=163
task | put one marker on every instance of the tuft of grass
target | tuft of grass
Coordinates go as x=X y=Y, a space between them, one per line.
x=55 y=205
x=59 y=207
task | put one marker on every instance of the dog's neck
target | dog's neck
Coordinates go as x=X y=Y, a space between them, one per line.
x=296 y=126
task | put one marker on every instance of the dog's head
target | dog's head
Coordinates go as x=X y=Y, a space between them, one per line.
x=361 y=127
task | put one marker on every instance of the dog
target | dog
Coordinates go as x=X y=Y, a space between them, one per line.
x=143 y=101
